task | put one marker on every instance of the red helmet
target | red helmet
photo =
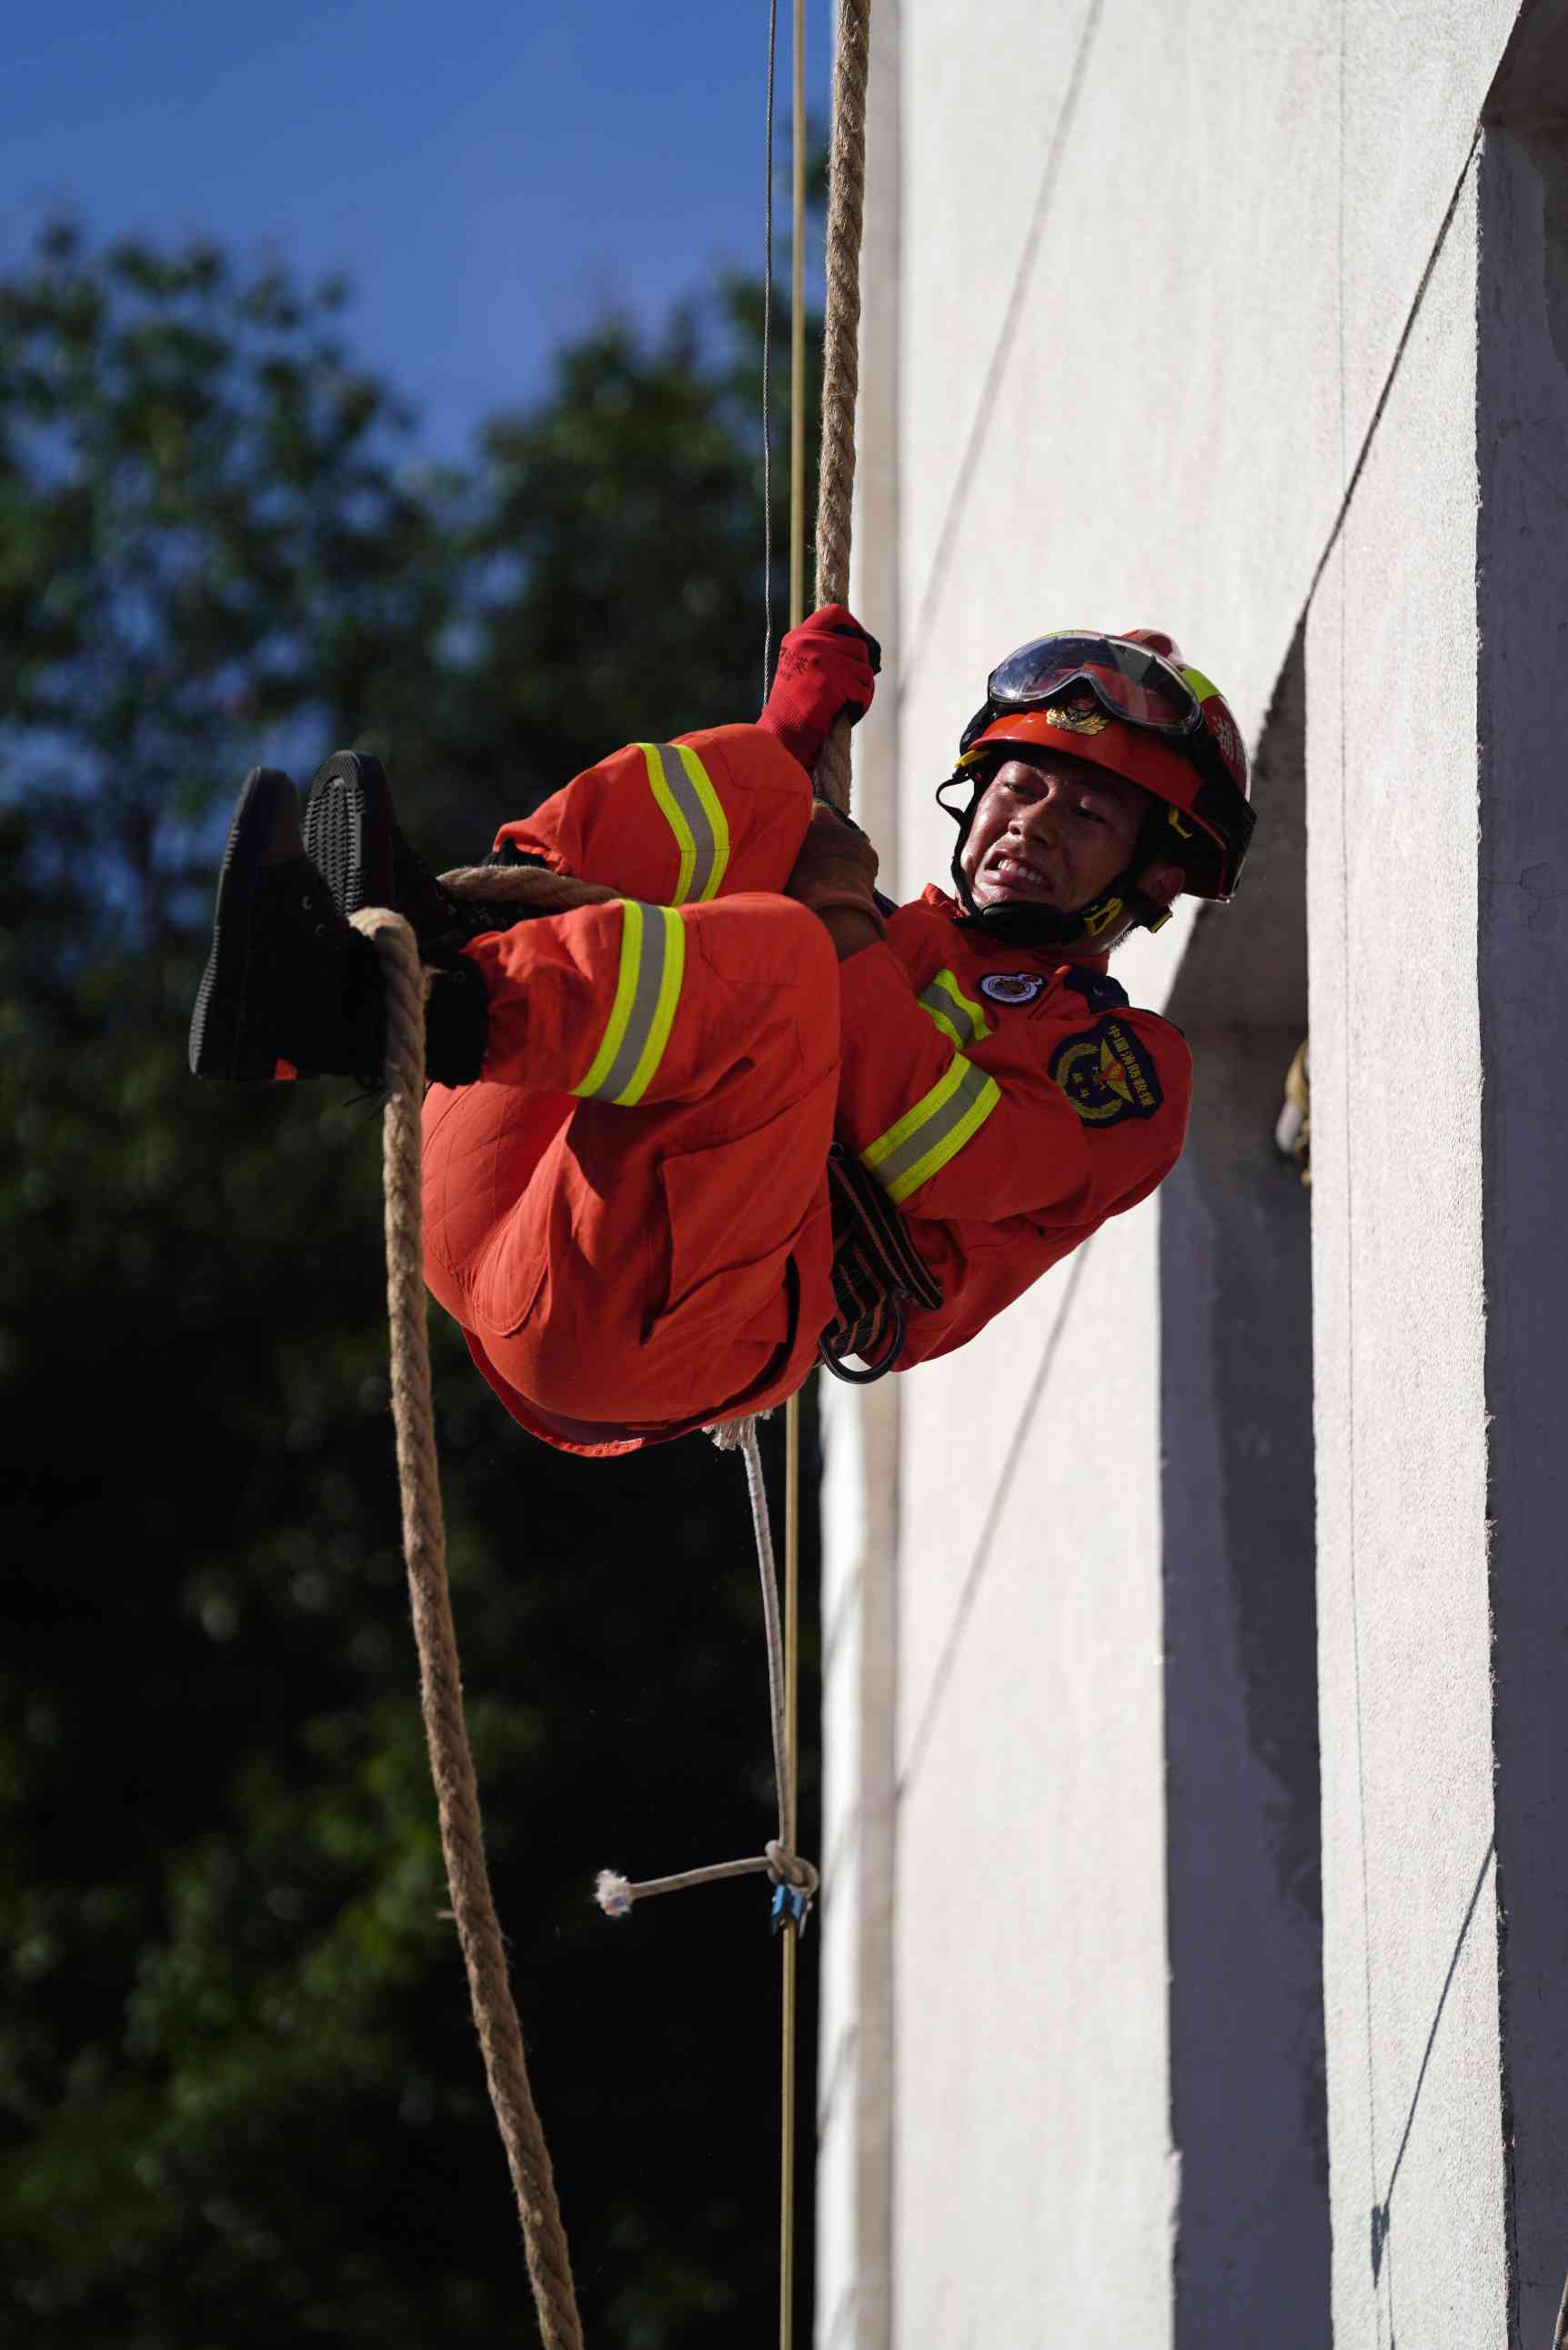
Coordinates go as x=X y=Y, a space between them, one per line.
x=1130 y=703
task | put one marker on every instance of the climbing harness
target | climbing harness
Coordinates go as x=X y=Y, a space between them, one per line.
x=406 y=986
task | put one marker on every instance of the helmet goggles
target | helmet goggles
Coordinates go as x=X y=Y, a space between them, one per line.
x=1127 y=680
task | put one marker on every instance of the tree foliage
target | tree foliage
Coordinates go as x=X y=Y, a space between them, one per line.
x=239 y=2098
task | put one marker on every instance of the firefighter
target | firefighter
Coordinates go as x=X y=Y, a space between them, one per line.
x=676 y=1142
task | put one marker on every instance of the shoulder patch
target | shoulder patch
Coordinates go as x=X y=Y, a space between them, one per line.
x=1012 y=986
x=1108 y=1075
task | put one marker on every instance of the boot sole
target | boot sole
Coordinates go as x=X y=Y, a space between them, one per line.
x=217 y=1022
x=349 y=827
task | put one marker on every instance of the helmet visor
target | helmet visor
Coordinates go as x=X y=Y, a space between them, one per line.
x=1126 y=679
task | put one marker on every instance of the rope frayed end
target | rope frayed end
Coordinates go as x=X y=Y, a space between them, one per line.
x=613 y=1893
x=729 y=1435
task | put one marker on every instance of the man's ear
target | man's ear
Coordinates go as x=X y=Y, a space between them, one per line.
x=1163 y=883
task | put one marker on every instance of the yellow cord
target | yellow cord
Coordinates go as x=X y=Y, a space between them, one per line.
x=797 y=336
x=791 y=1952
x=792 y=1410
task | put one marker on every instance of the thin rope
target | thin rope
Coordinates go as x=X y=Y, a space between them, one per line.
x=784 y=1697
x=790 y=1960
x=440 y=1680
x=791 y=1621
x=797 y=330
x=778 y=1674
x=767 y=366
x=616 y=1894
x=779 y=1860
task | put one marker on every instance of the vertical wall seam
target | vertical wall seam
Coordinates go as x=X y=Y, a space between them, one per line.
x=1340 y=541
x=1483 y=1025
x=858 y=2073
x=1349 y=481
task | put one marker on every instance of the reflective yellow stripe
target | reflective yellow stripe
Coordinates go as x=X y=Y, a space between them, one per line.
x=934 y=1131
x=653 y=758
x=955 y=1014
x=713 y=809
x=666 y=998
x=695 y=814
x=652 y=960
x=1200 y=684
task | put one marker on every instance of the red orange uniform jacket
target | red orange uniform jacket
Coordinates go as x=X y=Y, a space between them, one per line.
x=1008 y=1103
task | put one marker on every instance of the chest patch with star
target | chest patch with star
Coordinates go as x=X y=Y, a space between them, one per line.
x=1107 y=1074
x=1011 y=986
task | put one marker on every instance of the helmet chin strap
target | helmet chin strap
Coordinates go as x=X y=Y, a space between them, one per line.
x=1023 y=925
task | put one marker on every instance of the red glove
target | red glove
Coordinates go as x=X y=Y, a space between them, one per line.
x=825 y=666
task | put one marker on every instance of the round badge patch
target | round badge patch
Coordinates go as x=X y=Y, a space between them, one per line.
x=1012 y=986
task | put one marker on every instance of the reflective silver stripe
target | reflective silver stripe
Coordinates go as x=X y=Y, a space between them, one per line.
x=934 y=1131
x=652 y=960
x=703 y=846
x=955 y=1013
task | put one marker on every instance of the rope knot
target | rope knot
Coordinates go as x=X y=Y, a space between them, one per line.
x=786 y=1868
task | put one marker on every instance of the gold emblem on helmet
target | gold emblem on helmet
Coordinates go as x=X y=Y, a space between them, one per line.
x=1082 y=717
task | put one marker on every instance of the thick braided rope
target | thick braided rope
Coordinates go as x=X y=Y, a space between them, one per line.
x=534 y=885
x=841 y=351
x=440 y=1684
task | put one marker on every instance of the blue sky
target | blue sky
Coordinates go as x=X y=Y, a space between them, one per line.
x=490 y=176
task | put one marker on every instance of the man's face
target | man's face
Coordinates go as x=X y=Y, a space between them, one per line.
x=1051 y=830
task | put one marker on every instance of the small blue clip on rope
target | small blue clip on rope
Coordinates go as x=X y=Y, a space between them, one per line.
x=791 y=1907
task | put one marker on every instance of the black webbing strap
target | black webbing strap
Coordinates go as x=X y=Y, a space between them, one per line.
x=876 y=1273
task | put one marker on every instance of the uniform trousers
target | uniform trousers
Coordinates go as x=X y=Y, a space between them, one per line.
x=628 y=1212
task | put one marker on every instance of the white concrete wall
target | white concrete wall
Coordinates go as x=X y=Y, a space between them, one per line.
x=1159 y=255
x=1410 y=1954
x=1031 y=2181
x=1177 y=288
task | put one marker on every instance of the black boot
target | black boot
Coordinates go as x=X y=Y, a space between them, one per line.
x=291 y=989
x=353 y=835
